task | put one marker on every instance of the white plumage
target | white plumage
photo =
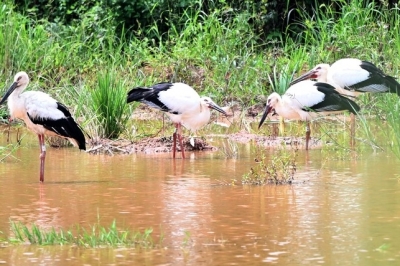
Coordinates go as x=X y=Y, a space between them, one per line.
x=182 y=104
x=42 y=115
x=352 y=76
x=305 y=100
x=295 y=99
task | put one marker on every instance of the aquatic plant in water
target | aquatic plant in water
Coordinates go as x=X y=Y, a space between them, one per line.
x=7 y=151
x=97 y=236
x=280 y=169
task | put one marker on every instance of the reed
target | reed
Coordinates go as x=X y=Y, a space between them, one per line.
x=7 y=151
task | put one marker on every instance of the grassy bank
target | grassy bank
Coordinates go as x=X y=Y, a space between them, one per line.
x=218 y=58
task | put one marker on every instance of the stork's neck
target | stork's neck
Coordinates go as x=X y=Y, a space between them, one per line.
x=198 y=120
x=16 y=104
x=323 y=77
x=279 y=106
x=17 y=92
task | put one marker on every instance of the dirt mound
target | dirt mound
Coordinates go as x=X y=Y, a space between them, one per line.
x=146 y=145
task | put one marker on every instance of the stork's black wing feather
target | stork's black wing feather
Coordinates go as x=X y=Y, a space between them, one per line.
x=377 y=81
x=65 y=127
x=150 y=96
x=333 y=100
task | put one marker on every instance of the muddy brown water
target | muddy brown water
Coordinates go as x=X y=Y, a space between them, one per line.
x=337 y=212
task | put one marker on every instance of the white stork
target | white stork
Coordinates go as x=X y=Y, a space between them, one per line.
x=182 y=104
x=42 y=115
x=304 y=100
x=352 y=76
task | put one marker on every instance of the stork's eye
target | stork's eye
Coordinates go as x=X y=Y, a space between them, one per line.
x=318 y=68
x=20 y=77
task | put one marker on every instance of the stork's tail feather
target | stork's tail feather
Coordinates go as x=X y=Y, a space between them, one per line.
x=137 y=94
x=394 y=86
x=67 y=128
x=349 y=104
x=76 y=133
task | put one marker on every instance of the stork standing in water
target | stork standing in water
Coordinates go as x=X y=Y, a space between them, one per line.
x=42 y=115
x=182 y=104
x=304 y=100
x=352 y=77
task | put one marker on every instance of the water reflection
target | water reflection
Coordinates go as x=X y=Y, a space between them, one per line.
x=337 y=211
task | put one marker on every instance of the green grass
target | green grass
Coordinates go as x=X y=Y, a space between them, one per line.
x=109 y=103
x=7 y=151
x=357 y=30
x=82 y=65
x=96 y=236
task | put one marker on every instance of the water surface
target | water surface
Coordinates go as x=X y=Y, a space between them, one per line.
x=336 y=213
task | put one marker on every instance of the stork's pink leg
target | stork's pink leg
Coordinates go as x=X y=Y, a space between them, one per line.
x=42 y=156
x=180 y=141
x=174 y=141
x=308 y=133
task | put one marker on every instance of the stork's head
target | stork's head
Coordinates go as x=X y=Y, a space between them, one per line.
x=272 y=101
x=208 y=103
x=21 y=80
x=319 y=72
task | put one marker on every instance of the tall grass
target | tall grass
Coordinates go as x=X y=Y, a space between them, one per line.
x=109 y=103
x=219 y=57
x=358 y=29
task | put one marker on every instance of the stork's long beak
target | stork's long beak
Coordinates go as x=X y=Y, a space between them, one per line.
x=268 y=109
x=309 y=75
x=213 y=105
x=8 y=92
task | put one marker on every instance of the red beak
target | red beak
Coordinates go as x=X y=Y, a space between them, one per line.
x=309 y=75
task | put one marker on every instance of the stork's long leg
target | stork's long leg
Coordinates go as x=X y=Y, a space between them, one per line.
x=180 y=140
x=42 y=156
x=308 y=133
x=174 y=141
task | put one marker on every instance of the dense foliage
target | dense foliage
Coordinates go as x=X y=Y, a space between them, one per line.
x=268 y=18
x=222 y=49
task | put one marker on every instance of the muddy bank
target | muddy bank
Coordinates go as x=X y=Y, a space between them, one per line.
x=146 y=145
x=164 y=144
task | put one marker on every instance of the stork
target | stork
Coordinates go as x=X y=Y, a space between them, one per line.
x=181 y=102
x=352 y=76
x=42 y=115
x=304 y=100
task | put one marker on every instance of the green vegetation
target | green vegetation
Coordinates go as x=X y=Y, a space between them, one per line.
x=109 y=103
x=97 y=236
x=7 y=151
x=219 y=50
x=279 y=169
